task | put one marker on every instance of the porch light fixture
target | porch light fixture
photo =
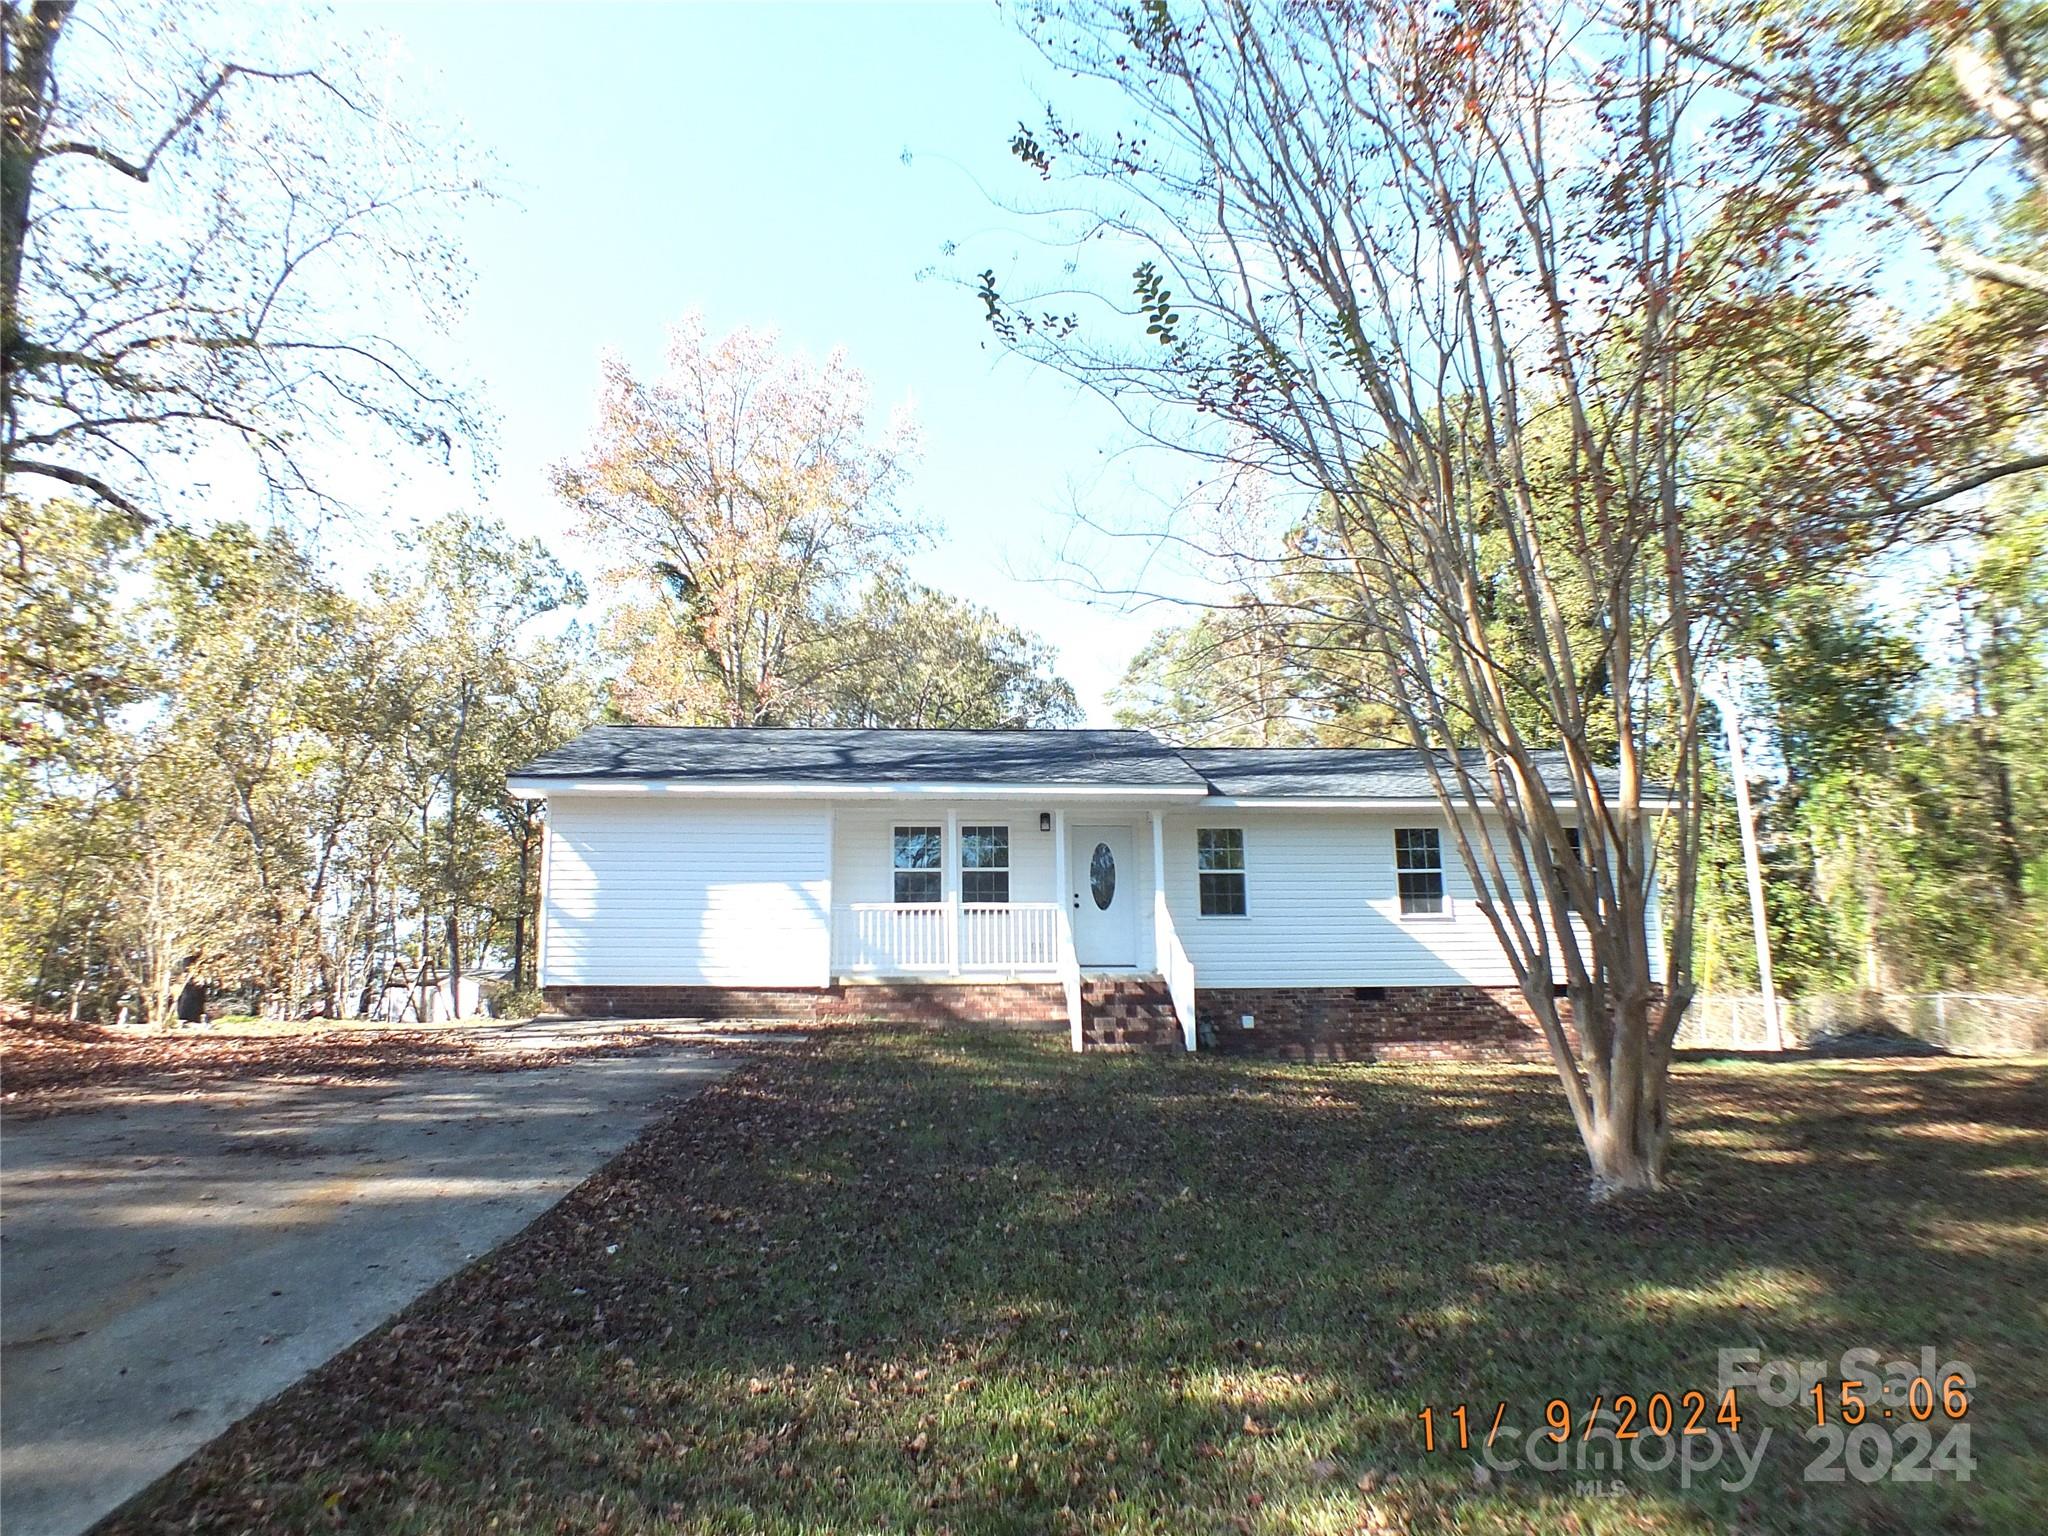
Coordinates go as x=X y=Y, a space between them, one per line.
x=1045 y=821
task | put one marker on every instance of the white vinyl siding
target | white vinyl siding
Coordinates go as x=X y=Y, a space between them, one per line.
x=1325 y=907
x=863 y=848
x=652 y=891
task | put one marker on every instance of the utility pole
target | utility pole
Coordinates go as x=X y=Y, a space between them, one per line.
x=1752 y=864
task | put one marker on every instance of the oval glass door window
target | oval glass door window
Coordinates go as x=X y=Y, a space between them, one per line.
x=1102 y=876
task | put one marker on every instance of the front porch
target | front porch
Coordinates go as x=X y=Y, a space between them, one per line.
x=1086 y=909
x=1019 y=940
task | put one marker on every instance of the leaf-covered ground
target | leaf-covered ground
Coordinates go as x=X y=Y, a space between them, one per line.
x=902 y=1281
x=55 y=1068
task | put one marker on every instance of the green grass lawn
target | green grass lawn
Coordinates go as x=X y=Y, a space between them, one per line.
x=910 y=1281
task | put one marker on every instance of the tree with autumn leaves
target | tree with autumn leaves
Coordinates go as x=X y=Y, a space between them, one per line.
x=1539 y=318
x=746 y=513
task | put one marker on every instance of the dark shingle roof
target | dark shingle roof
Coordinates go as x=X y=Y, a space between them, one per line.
x=720 y=755
x=1086 y=759
x=1342 y=773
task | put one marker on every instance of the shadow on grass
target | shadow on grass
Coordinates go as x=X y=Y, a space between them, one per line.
x=975 y=1283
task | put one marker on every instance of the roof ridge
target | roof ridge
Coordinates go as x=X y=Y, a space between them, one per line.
x=898 y=730
x=1320 y=746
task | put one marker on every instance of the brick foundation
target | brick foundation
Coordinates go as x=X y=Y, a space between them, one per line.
x=1452 y=1023
x=1456 y=1023
x=1018 y=1004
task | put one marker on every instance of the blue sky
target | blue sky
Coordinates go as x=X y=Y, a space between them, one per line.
x=793 y=166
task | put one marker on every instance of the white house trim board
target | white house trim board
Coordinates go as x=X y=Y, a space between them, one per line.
x=1162 y=922
x=540 y=927
x=949 y=879
x=1329 y=803
x=536 y=789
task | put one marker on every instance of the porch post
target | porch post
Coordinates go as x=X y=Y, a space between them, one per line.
x=949 y=861
x=1159 y=916
x=1059 y=864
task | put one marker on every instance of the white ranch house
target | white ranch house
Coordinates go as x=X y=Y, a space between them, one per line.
x=1136 y=893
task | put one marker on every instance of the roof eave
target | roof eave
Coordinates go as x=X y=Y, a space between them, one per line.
x=540 y=786
x=1357 y=802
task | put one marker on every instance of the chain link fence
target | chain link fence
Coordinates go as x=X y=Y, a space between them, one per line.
x=1967 y=1023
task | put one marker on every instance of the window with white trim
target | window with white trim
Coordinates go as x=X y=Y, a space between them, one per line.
x=919 y=860
x=985 y=864
x=1574 y=855
x=1219 y=871
x=1419 y=870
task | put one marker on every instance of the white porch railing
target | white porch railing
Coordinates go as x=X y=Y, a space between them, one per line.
x=1180 y=985
x=1020 y=936
x=890 y=938
x=1070 y=976
x=941 y=938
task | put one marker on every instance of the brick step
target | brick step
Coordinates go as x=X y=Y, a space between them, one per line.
x=1128 y=1013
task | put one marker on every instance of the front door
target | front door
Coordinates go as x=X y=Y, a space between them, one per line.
x=1105 y=895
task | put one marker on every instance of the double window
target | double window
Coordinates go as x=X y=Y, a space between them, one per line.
x=1419 y=870
x=1219 y=870
x=919 y=858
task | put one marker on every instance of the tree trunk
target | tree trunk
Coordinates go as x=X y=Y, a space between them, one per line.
x=2011 y=863
x=454 y=963
x=32 y=42
x=1629 y=1139
x=452 y=870
x=1617 y=1086
x=1627 y=1157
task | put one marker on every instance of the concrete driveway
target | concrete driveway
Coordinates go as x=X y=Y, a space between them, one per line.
x=170 y=1261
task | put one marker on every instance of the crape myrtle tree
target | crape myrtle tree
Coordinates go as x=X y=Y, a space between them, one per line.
x=211 y=242
x=1570 y=337
x=1441 y=271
